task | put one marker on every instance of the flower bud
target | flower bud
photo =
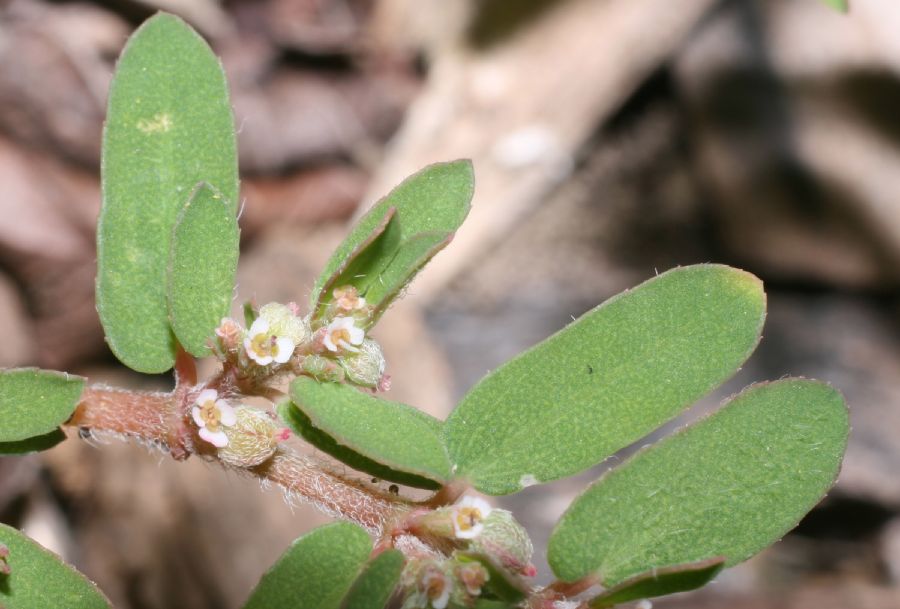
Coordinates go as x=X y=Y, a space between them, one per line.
x=283 y=322
x=473 y=576
x=428 y=585
x=322 y=369
x=365 y=368
x=229 y=333
x=251 y=440
x=506 y=541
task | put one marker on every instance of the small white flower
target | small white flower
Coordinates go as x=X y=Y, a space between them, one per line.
x=342 y=333
x=347 y=298
x=210 y=414
x=436 y=586
x=468 y=517
x=263 y=347
x=473 y=576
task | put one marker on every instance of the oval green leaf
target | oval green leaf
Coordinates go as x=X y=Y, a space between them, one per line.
x=169 y=126
x=376 y=584
x=404 y=441
x=606 y=380
x=316 y=571
x=202 y=268
x=38 y=579
x=411 y=256
x=659 y=582
x=434 y=200
x=33 y=445
x=728 y=486
x=35 y=402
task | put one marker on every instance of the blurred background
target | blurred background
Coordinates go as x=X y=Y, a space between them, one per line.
x=611 y=139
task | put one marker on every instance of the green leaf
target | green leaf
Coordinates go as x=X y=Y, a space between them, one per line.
x=202 y=268
x=659 y=582
x=316 y=571
x=375 y=585
x=607 y=379
x=344 y=422
x=838 y=5
x=434 y=200
x=728 y=486
x=35 y=402
x=169 y=126
x=370 y=245
x=33 y=445
x=294 y=418
x=38 y=579
x=410 y=257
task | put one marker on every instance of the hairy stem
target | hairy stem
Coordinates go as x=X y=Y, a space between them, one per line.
x=306 y=478
x=160 y=419
x=144 y=415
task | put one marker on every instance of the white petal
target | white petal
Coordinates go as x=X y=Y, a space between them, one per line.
x=347 y=346
x=441 y=601
x=361 y=303
x=328 y=342
x=284 y=348
x=476 y=502
x=260 y=326
x=356 y=335
x=217 y=439
x=227 y=416
x=207 y=395
x=470 y=502
x=262 y=360
x=195 y=413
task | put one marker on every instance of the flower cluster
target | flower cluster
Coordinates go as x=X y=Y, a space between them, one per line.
x=435 y=583
x=275 y=334
x=331 y=347
x=243 y=436
x=344 y=352
x=212 y=415
x=479 y=534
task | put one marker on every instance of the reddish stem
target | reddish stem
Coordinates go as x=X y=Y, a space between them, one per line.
x=447 y=494
x=160 y=418
x=140 y=414
x=571 y=589
x=352 y=500
x=185 y=368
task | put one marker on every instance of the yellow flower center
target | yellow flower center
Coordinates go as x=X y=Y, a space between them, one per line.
x=340 y=334
x=467 y=518
x=263 y=345
x=434 y=587
x=211 y=415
